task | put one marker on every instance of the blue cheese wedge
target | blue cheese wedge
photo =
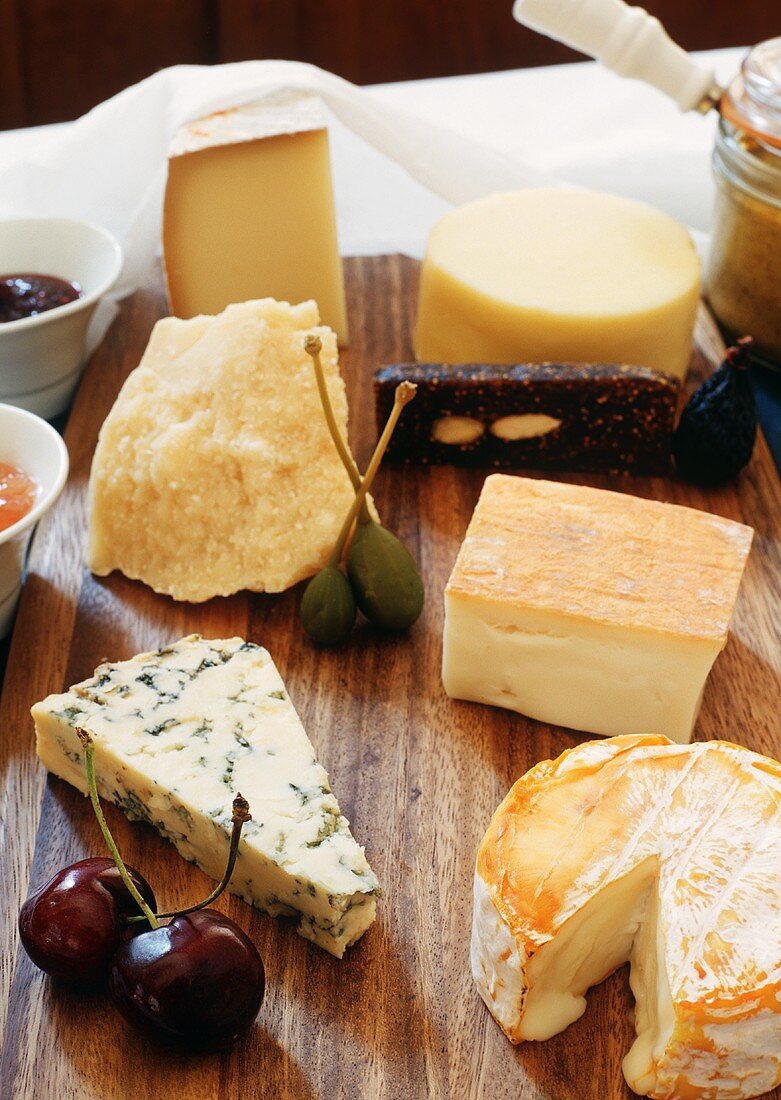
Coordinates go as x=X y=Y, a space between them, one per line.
x=177 y=734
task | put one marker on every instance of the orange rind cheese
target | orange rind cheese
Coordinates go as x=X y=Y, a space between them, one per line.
x=635 y=849
x=590 y=609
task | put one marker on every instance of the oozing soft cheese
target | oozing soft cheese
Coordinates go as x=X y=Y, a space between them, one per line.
x=667 y=856
x=558 y=275
x=215 y=470
x=590 y=609
x=177 y=734
x=249 y=210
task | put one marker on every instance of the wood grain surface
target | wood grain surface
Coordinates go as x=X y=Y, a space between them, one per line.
x=417 y=774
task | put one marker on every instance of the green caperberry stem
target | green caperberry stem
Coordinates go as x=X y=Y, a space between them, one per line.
x=89 y=765
x=313 y=345
x=241 y=816
x=405 y=391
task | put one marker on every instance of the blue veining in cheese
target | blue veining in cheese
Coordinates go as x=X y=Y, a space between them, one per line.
x=178 y=733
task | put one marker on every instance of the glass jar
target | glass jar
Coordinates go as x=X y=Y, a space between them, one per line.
x=743 y=276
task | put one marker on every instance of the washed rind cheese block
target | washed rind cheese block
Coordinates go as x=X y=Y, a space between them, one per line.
x=177 y=734
x=215 y=470
x=668 y=857
x=590 y=609
x=558 y=275
x=249 y=210
x=546 y=416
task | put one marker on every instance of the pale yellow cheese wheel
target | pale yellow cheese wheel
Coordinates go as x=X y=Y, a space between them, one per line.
x=558 y=275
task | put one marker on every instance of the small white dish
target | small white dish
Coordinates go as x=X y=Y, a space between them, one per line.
x=34 y=446
x=41 y=357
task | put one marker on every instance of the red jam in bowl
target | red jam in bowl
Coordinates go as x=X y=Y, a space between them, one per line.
x=18 y=492
x=27 y=295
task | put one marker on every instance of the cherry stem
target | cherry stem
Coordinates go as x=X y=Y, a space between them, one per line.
x=89 y=764
x=313 y=346
x=241 y=816
x=405 y=391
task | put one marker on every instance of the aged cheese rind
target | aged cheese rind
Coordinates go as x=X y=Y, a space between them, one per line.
x=558 y=275
x=215 y=470
x=590 y=609
x=177 y=734
x=669 y=857
x=249 y=210
x=282 y=112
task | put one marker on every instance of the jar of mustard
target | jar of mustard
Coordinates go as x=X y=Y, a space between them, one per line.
x=743 y=275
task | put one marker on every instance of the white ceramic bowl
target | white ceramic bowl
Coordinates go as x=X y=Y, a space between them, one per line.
x=34 y=446
x=41 y=357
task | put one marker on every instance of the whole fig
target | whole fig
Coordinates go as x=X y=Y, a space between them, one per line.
x=718 y=426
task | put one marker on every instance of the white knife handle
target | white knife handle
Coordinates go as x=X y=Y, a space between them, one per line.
x=627 y=40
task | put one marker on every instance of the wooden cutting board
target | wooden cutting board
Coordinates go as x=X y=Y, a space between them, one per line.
x=417 y=775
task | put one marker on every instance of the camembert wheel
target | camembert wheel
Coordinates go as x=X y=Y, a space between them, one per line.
x=666 y=856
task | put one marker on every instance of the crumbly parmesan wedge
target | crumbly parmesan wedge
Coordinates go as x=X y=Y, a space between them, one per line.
x=215 y=471
x=177 y=734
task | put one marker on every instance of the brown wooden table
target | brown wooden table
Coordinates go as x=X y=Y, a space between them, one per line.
x=417 y=774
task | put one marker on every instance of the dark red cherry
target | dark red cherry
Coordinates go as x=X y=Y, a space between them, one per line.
x=196 y=982
x=72 y=925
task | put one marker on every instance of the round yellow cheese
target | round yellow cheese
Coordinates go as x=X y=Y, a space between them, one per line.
x=560 y=275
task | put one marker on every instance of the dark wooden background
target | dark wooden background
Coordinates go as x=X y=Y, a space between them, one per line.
x=58 y=58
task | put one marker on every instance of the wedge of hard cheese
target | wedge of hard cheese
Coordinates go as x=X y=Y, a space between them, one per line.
x=668 y=857
x=177 y=734
x=249 y=210
x=590 y=609
x=215 y=471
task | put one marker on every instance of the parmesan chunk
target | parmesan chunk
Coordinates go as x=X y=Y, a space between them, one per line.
x=214 y=471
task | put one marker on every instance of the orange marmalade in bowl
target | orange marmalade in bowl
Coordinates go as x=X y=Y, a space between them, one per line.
x=18 y=493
